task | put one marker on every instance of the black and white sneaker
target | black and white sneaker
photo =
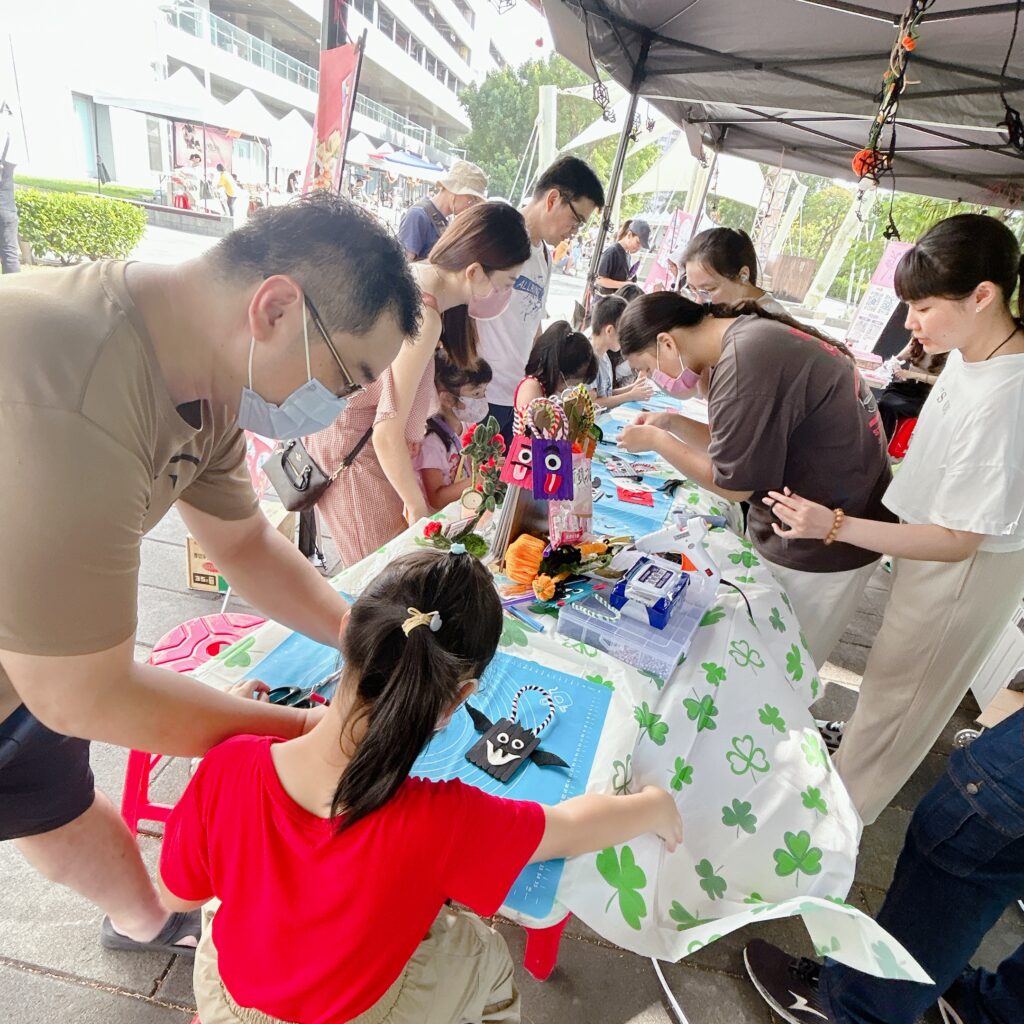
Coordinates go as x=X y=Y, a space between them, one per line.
x=789 y=985
x=831 y=733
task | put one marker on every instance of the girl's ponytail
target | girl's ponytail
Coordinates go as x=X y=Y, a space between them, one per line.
x=410 y=699
x=406 y=679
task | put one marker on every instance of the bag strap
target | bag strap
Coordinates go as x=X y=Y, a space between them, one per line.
x=354 y=454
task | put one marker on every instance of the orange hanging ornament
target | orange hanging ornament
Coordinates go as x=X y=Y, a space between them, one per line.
x=867 y=163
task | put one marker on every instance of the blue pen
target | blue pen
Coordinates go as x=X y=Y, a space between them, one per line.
x=526 y=620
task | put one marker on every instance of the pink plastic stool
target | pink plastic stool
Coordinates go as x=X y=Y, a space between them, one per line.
x=183 y=649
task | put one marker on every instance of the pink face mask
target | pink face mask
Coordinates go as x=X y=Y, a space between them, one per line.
x=493 y=306
x=684 y=384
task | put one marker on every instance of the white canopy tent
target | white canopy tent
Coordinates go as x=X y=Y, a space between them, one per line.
x=247 y=115
x=734 y=178
x=175 y=97
x=360 y=149
x=291 y=139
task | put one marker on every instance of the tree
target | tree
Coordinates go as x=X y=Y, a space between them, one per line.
x=503 y=108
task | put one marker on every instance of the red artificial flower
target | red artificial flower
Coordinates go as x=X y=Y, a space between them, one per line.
x=432 y=529
x=490 y=463
x=480 y=488
x=499 y=441
x=467 y=437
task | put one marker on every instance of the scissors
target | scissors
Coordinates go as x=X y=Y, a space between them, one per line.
x=301 y=697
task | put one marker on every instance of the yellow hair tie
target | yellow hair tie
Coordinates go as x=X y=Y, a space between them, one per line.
x=418 y=618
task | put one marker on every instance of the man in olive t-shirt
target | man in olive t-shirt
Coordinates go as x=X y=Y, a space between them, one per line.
x=120 y=396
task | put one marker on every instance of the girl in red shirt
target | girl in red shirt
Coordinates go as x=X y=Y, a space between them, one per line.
x=332 y=864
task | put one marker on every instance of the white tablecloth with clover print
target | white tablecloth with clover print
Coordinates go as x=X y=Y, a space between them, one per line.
x=769 y=829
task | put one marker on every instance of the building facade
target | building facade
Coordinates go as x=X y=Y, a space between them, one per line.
x=58 y=56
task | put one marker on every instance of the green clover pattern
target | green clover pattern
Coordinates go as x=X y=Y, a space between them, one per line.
x=627 y=878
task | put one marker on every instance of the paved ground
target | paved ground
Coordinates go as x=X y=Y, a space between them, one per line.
x=52 y=966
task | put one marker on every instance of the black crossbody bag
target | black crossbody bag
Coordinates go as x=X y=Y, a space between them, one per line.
x=295 y=475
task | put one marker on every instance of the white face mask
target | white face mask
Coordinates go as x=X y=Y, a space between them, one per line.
x=308 y=409
x=472 y=410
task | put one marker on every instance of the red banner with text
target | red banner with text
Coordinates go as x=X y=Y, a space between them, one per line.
x=339 y=78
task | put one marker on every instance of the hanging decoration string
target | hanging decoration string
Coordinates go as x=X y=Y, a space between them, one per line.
x=1012 y=124
x=601 y=97
x=871 y=163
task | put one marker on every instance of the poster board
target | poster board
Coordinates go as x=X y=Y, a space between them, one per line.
x=879 y=302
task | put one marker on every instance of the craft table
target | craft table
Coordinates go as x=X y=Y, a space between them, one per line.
x=769 y=828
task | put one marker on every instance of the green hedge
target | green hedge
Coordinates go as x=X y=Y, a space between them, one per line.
x=65 y=185
x=71 y=227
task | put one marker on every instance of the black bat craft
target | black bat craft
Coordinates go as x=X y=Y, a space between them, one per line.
x=505 y=747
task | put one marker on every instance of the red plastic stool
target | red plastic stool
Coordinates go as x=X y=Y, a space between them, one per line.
x=183 y=649
x=541 y=953
x=901 y=437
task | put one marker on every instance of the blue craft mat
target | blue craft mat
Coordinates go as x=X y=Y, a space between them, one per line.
x=573 y=735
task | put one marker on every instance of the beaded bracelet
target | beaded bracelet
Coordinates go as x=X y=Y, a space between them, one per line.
x=837 y=523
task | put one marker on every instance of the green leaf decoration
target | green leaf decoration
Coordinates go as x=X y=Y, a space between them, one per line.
x=580 y=647
x=600 y=680
x=682 y=776
x=803 y=641
x=746 y=579
x=798 y=856
x=711 y=882
x=658 y=681
x=684 y=919
x=746 y=757
x=887 y=962
x=776 y=621
x=828 y=949
x=237 y=655
x=702 y=711
x=795 y=663
x=714 y=510
x=744 y=543
x=815 y=752
x=651 y=724
x=813 y=800
x=693 y=499
x=743 y=654
x=738 y=816
x=771 y=717
x=786 y=602
x=627 y=878
x=745 y=558
x=512 y=633
x=840 y=902
x=622 y=776
x=713 y=615
x=713 y=672
x=815 y=686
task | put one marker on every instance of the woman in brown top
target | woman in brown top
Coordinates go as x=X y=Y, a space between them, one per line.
x=783 y=406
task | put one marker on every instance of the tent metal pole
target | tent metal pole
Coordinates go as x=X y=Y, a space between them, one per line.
x=699 y=212
x=639 y=73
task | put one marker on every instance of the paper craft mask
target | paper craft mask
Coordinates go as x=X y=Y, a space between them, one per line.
x=552 y=475
x=518 y=467
x=506 y=747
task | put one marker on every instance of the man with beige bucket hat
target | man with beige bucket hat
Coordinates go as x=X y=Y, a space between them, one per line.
x=464 y=186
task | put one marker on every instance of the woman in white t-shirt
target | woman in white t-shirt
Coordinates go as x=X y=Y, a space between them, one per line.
x=958 y=571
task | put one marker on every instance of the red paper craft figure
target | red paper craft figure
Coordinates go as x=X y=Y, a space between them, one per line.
x=518 y=467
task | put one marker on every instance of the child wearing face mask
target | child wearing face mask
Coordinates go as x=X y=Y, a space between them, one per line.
x=460 y=393
x=326 y=854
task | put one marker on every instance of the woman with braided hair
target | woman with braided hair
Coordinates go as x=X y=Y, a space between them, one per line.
x=786 y=406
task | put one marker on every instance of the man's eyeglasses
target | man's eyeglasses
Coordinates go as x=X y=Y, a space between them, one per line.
x=351 y=387
x=580 y=219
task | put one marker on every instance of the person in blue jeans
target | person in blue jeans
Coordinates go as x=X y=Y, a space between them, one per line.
x=961 y=866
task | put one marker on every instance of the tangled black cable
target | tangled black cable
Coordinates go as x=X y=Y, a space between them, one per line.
x=1012 y=124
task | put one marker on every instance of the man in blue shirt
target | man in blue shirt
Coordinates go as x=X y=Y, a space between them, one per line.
x=421 y=227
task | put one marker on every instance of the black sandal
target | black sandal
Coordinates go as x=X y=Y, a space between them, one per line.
x=179 y=926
